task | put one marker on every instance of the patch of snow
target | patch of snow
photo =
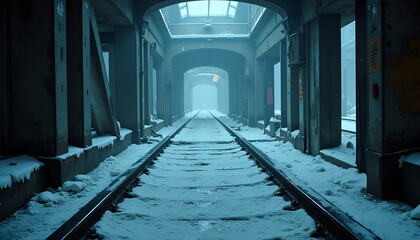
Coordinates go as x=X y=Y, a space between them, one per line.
x=103 y=141
x=73 y=186
x=261 y=122
x=83 y=178
x=413 y=158
x=77 y=151
x=274 y=120
x=267 y=128
x=17 y=169
x=124 y=132
x=294 y=134
x=158 y=121
x=47 y=196
x=415 y=214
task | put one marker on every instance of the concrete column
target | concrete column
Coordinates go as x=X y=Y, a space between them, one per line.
x=127 y=73
x=393 y=90
x=292 y=99
x=4 y=83
x=325 y=82
x=147 y=65
x=38 y=77
x=160 y=85
x=283 y=80
x=269 y=90
x=168 y=103
x=252 y=101
x=361 y=91
x=260 y=92
x=78 y=74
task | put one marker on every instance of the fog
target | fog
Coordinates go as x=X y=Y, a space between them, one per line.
x=204 y=97
x=206 y=88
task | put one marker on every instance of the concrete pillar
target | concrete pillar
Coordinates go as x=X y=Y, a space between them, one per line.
x=127 y=73
x=393 y=98
x=292 y=87
x=252 y=118
x=38 y=77
x=147 y=78
x=78 y=74
x=168 y=103
x=325 y=82
x=361 y=91
x=160 y=84
x=260 y=92
x=4 y=83
x=283 y=80
x=269 y=90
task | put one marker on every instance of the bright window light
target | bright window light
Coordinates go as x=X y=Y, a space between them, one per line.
x=218 y=8
x=208 y=8
x=198 y=9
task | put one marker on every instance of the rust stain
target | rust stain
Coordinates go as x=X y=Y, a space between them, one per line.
x=405 y=76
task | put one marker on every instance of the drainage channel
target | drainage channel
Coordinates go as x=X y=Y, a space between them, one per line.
x=204 y=186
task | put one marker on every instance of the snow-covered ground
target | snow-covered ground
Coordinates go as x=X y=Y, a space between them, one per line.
x=50 y=209
x=345 y=188
x=206 y=189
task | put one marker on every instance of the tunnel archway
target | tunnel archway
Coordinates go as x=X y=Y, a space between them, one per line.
x=215 y=85
x=231 y=62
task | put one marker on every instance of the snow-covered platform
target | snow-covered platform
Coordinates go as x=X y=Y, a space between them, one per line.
x=20 y=177
x=82 y=160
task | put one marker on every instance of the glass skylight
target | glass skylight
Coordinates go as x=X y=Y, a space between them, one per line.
x=208 y=8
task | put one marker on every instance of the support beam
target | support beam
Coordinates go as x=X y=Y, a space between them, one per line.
x=392 y=98
x=283 y=82
x=4 y=80
x=78 y=74
x=103 y=115
x=269 y=90
x=260 y=92
x=361 y=91
x=127 y=87
x=161 y=88
x=292 y=99
x=325 y=82
x=38 y=74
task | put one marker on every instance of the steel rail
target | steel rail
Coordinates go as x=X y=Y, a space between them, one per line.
x=79 y=224
x=338 y=223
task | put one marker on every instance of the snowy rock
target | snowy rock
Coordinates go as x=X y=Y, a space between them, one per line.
x=46 y=197
x=72 y=186
x=415 y=214
x=320 y=169
x=84 y=178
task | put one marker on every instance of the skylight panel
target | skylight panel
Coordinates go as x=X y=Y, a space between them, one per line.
x=232 y=12
x=233 y=4
x=218 y=8
x=198 y=9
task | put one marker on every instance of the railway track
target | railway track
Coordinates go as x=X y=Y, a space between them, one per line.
x=206 y=182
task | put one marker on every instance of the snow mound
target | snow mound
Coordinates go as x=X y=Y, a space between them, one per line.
x=114 y=173
x=73 y=186
x=415 y=214
x=83 y=178
x=17 y=169
x=46 y=197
